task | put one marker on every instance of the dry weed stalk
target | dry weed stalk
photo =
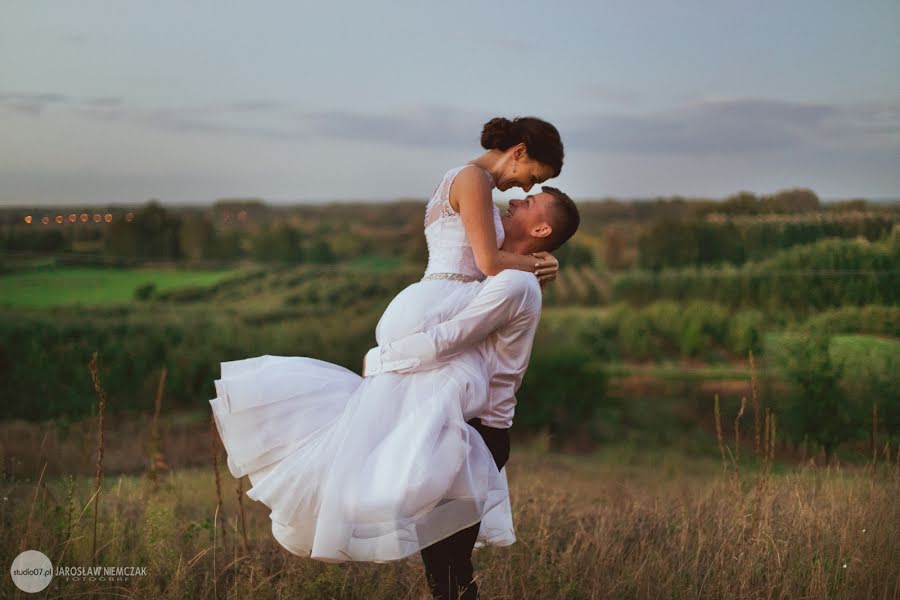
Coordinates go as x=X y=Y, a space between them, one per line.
x=70 y=504
x=157 y=460
x=92 y=366
x=719 y=434
x=754 y=397
x=215 y=530
x=240 y=496
x=772 y=439
x=737 y=435
x=873 y=436
x=762 y=479
x=77 y=521
x=214 y=450
x=37 y=490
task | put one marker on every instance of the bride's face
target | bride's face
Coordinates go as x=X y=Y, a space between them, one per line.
x=522 y=171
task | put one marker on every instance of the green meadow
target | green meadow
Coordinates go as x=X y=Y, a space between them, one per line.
x=95 y=286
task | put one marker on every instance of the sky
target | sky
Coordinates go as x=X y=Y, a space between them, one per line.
x=122 y=101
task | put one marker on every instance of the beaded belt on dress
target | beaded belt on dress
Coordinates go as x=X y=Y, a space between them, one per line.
x=451 y=276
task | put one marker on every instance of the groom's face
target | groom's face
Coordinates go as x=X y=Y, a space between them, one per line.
x=528 y=217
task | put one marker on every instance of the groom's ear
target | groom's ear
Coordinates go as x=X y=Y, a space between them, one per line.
x=541 y=230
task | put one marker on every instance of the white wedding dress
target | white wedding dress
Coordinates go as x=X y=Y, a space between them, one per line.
x=375 y=468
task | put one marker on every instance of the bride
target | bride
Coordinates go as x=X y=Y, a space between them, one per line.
x=377 y=468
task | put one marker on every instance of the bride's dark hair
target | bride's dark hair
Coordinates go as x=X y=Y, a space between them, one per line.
x=540 y=137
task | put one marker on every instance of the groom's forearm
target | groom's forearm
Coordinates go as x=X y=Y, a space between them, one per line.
x=431 y=348
x=509 y=296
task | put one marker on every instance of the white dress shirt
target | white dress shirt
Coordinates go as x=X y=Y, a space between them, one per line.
x=503 y=316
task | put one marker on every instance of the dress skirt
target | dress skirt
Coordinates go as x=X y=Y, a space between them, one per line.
x=367 y=469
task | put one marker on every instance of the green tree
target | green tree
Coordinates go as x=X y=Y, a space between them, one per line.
x=794 y=200
x=320 y=252
x=614 y=249
x=574 y=254
x=197 y=237
x=562 y=393
x=668 y=243
x=742 y=203
x=153 y=233
x=279 y=243
x=816 y=406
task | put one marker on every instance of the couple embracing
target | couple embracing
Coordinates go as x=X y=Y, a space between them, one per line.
x=409 y=458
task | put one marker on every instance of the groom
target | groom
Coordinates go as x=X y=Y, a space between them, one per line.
x=502 y=318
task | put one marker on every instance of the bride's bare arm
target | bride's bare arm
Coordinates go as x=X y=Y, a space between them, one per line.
x=472 y=194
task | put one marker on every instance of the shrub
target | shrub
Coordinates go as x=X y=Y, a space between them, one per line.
x=745 y=331
x=816 y=406
x=636 y=335
x=872 y=319
x=145 y=292
x=561 y=393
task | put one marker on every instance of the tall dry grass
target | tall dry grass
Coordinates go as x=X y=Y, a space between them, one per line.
x=157 y=461
x=101 y=446
x=621 y=523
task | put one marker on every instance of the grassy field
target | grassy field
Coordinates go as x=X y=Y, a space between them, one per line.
x=624 y=522
x=95 y=285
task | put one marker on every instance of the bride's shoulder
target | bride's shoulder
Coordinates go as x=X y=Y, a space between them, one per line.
x=471 y=172
x=470 y=181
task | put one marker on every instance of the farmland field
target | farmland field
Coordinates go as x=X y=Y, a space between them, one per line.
x=95 y=286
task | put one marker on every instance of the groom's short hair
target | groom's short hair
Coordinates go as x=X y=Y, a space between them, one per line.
x=565 y=217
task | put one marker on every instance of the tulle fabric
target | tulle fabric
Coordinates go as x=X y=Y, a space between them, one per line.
x=367 y=469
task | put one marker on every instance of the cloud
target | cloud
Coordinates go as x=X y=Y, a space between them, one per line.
x=233 y=118
x=417 y=125
x=729 y=125
x=104 y=101
x=708 y=126
x=252 y=106
x=30 y=104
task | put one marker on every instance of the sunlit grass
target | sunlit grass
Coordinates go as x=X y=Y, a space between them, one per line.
x=92 y=286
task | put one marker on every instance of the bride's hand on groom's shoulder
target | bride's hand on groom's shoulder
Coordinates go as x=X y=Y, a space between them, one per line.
x=547 y=267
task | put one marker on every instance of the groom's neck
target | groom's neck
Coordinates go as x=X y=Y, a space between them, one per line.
x=523 y=246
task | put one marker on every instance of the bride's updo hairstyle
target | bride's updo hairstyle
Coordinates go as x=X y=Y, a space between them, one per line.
x=540 y=138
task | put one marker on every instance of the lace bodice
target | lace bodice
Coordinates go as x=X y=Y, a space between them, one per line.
x=449 y=250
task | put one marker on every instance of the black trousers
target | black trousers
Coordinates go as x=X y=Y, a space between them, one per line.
x=448 y=562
